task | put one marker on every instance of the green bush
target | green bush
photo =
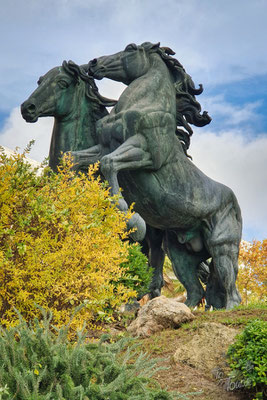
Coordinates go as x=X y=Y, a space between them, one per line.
x=137 y=274
x=39 y=364
x=248 y=358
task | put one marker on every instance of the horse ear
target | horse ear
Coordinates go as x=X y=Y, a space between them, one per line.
x=68 y=66
x=73 y=69
x=65 y=64
x=150 y=46
x=155 y=46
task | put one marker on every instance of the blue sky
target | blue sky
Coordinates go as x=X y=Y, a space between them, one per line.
x=222 y=44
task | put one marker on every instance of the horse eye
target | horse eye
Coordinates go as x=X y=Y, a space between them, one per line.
x=40 y=80
x=63 y=84
x=131 y=47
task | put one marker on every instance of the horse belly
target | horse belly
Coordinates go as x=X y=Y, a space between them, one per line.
x=159 y=208
x=168 y=199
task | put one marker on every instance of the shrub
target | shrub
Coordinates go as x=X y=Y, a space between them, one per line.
x=248 y=357
x=37 y=364
x=60 y=243
x=137 y=274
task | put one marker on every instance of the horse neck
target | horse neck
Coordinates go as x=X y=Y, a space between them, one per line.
x=76 y=131
x=158 y=68
x=154 y=87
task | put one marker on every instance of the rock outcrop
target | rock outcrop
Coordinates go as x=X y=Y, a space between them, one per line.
x=159 y=314
x=206 y=349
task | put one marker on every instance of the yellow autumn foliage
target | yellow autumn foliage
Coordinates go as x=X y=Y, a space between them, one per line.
x=60 y=244
x=252 y=274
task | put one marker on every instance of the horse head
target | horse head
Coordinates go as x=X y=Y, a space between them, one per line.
x=71 y=96
x=124 y=66
x=56 y=92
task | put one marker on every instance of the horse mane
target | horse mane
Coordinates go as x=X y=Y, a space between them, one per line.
x=188 y=109
x=91 y=91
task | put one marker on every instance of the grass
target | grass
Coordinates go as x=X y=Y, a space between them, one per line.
x=186 y=378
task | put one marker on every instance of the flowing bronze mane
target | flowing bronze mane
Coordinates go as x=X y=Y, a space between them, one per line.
x=188 y=108
x=91 y=89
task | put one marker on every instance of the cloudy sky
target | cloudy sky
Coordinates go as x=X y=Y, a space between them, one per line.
x=221 y=43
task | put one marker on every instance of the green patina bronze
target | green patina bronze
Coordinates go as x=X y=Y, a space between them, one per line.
x=70 y=96
x=142 y=147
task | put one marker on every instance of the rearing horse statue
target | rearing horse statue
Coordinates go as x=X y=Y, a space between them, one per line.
x=142 y=150
x=139 y=141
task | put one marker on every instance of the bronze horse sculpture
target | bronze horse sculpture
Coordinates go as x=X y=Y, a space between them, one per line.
x=200 y=217
x=140 y=149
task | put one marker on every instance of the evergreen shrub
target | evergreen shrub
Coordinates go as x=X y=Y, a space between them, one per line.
x=38 y=364
x=61 y=244
x=248 y=358
x=138 y=274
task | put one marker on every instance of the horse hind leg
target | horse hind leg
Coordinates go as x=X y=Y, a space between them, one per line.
x=221 y=288
x=215 y=293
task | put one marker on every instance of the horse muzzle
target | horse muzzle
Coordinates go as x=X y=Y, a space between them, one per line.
x=28 y=111
x=95 y=70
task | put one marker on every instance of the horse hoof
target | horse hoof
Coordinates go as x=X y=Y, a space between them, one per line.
x=230 y=304
x=193 y=302
x=137 y=222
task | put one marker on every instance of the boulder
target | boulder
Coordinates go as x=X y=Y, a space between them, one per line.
x=158 y=314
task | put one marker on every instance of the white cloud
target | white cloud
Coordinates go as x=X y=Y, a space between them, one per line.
x=110 y=89
x=216 y=43
x=233 y=114
x=240 y=164
x=18 y=133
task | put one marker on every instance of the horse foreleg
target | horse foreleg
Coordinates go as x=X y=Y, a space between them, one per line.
x=151 y=247
x=185 y=266
x=156 y=257
x=130 y=155
x=83 y=158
